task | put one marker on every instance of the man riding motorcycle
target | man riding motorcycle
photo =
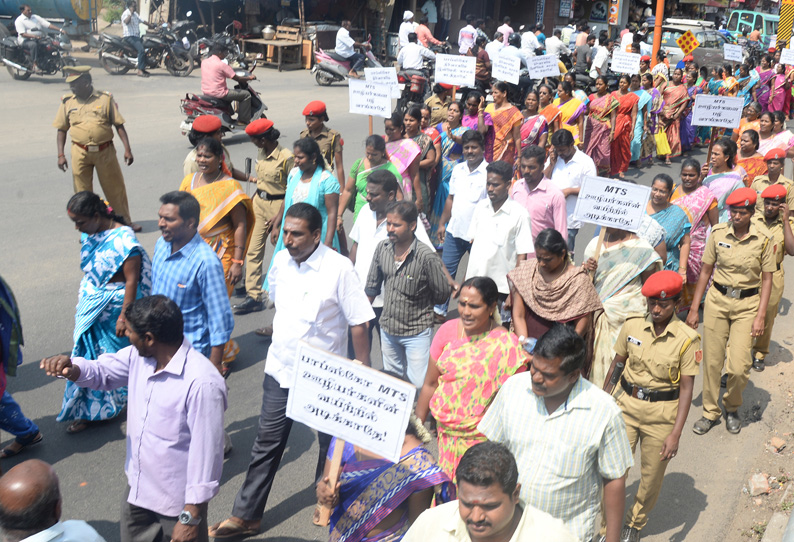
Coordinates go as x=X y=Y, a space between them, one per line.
x=214 y=73
x=30 y=28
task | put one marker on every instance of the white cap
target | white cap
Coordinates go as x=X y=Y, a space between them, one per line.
x=407 y=15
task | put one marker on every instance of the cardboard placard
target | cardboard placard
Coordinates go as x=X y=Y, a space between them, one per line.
x=352 y=402
x=732 y=53
x=611 y=203
x=369 y=99
x=787 y=56
x=384 y=76
x=507 y=68
x=628 y=63
x=543 y=66
x=455 y=70
x=717 y=111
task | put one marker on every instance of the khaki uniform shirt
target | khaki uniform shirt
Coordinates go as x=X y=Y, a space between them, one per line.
x=738 y=263
x=330 y=142
x=761 y=182
x=438 y=109
x=272 y=170
x=657 y=362
x=89 y=121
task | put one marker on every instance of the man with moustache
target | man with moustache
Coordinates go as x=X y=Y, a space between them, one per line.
x=544 y=202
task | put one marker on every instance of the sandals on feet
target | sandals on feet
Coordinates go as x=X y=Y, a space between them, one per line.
x=77 y=426
x=231 y=528
x=21 y=444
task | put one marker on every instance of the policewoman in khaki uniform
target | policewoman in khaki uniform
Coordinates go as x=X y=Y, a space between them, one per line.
x=273 y=164
x=775 y=160
x=89 y=116
x=330 y=141
x=740 y=254
x=439 y=103
x=774 y=220
x=661 y=356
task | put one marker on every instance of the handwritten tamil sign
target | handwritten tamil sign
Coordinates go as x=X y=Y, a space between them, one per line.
x=455 y=70
x=352 y=402
x=732 y=53
x=787 y=56
x=384 y=76
x=611 y=203
x=369 y=99
x=717 y=111
x=628 y=63
x=541 y=66
x=507 y=68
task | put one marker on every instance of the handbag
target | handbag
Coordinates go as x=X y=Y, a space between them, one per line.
x=662 y=146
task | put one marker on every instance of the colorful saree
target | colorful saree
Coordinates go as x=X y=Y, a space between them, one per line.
x=763 y=90
x=99 y=305
x=675 y=97
x=597 y=144
x=425 y=143
x=532 y=128
x=689 y=132
x=675 y=222
x=620 y=148
x=569 y=116
x=696 y=204
x=402 y=154
x=746 y=85
x=721 y=185
x=550 y=113
x=618 y=283
x=372 y=489
x=649 y=139
x=472 y=121
x=360 y=175
x=643 y=105
x=504 y=119
x=754 y=166
x=472 y=371
x=777 y=94
x=783 y=140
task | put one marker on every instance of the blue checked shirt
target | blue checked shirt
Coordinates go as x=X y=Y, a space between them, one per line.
x=193 y=278
x=562 y=457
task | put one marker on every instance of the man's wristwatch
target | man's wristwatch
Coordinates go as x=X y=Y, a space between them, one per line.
x=186 y=518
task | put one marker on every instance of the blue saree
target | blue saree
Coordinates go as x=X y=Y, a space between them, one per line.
x=639 y=126
x=675 y=222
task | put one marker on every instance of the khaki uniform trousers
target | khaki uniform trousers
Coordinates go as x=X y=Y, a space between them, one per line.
x=762 y=342
x=264 y=211
x=109 y=172
x=727 y=324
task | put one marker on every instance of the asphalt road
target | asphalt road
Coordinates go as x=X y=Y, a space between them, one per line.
x=40 y=260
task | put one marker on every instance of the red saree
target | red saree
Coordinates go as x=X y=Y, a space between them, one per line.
x=675 y=97
x=597 y=144
x=624 y=131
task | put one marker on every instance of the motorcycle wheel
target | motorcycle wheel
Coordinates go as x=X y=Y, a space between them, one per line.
x=179 y=64
x=111 y=67
x=323 y=79
x=19 y=75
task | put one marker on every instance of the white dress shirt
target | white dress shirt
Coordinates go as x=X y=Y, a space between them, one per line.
x=555 y=46
x=315 y=301
x=467 y=189
x=626 y=41
x=497 y=240
x=569 y=175
x=73 y=530
x=493 y=48
x=466 y=38
x=529 y=42
x=30 y=25
x=406 y=28
x=600 y=61
x=410 y=57
x=344 y=43
x=367 y=233
x=520 y=54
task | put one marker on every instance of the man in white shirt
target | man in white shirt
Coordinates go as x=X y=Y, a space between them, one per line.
x=601 y=59
x=529 y=42
x=30 y=507
x=555 y=46
x=131 y=27
x=467 y=35
x=493 y=48
x=408 y=25
x=411 y=56
x=566 y=167
x=512 y=49
x=567 y=31
x=505 y=30
x=466 y=190
x=345 y=47
x=30 y=28
x=626 y=40
x=318 y=297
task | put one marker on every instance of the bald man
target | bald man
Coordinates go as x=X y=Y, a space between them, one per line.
x=30 y=507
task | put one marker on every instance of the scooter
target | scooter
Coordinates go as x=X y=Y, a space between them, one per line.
x=194 y=105
x=53 y=56
x=329 y=67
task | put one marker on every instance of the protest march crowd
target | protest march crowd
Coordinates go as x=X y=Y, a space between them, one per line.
x=537 y=393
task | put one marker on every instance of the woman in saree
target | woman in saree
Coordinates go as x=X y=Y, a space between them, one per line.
x=572 y=112
x=746 y=84
x=675 y=222
x=117 y=271
x=602 y=111
x=715 y=84
x=676 y=99
x=375 y=158
x=724 y=176
x=475 y=118
x=451 y=153
x=768 y=139
x=782 y=133
x=778 y=87
x=507 y=121
x=578 y=93
x=749 y=121
x=377 y=500
x=623 y=128
x=427 y=154
x=749 y=158
x=689 y=132
x=643 y=109
x=619 y=271
x=548 y=109
x=701 y=207
x=226 y=221
x=535 y=128
x=765 y=73
x=404 y=154
x=653 y=125
x=470 y=358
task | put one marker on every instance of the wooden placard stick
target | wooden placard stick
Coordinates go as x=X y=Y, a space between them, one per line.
x=370 y=125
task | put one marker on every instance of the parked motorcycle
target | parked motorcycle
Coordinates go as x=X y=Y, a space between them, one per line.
x=194 y=105
x=415 y=86
x=329 y=67
x=162 y=48
x=200 y=50
x=53 y=56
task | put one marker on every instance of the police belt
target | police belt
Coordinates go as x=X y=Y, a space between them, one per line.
x=735 y=293
x=645 y=394
x=94 y=148
x=269 y=197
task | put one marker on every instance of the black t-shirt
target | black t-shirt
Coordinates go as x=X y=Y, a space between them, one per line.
x=582 y=57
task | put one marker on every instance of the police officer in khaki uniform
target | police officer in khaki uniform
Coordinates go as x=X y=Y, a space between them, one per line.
x=775 y=160
x=330 y=141
x=661 y=355
x=740 y=254
x=439 y=103
x=780 y=231
x=89 y=116
x=273 y=164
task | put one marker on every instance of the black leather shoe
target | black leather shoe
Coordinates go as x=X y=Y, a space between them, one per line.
x=629 y=534
x=733 y=423
x=249 y=304
x=239 y=291
x=758 y=365
x=704 y=425
x=724 y=381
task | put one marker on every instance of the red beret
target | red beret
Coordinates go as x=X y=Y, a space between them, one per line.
x=663 y=284
x=446 y=86
x=689 y=58
x=772 y=50
x=776 y=192
x=206 y=124
x=775 y=154
x=645 y=58
x=258 y=127
x=314 y=109
x=741 y=197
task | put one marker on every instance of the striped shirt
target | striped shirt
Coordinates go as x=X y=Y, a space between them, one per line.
x=133 y=27
x=410 y=289
x=563 y=457
x=193 y=278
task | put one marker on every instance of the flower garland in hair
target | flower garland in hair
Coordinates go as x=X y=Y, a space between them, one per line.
x=421 y=430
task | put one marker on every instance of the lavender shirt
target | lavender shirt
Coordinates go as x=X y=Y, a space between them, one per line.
x=174 y=425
